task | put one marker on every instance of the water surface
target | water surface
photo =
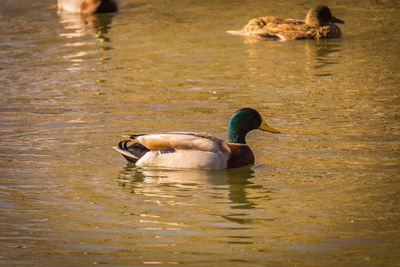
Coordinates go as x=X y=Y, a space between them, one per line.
x=323 y=193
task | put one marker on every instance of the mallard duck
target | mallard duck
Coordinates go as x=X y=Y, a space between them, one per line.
x=196 y=150
x=87 y=7
x=319 y=23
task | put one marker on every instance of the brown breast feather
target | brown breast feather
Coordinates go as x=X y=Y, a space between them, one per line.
x=241 y=155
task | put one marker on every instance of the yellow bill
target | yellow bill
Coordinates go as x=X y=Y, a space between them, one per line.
x=265 y=127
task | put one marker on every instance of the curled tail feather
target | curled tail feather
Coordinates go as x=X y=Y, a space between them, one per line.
x=132 y=152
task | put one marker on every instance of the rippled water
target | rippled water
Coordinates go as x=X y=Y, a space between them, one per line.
x=324 y=193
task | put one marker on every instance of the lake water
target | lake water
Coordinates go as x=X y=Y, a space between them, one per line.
x=326 y=192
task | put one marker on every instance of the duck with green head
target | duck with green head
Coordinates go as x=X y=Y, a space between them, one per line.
x=319 y=23
x=196 y=150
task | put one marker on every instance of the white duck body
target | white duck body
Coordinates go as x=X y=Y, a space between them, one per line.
x=187 y=150
x=86 y=7
x=186 y=159
x=70 y=6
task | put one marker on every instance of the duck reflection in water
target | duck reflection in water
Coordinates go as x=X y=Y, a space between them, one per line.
x=319 y=56
x=76 y=25
x=141 y=182
x=78 y=46
x=322 y=54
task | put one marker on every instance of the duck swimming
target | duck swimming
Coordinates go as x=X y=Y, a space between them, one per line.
x=319 y=23
x=196 y=150
x=86 y=7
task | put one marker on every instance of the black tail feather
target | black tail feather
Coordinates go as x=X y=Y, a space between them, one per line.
x=134 y=136
x=132 y=152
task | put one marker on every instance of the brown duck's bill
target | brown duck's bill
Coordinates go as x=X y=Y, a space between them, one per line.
x=336 y=20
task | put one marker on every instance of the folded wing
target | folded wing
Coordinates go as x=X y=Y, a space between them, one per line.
x=182 y=141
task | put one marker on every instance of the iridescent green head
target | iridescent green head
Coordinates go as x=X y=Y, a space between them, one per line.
x=243 y=121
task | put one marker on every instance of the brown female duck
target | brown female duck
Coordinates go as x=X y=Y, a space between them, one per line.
x=319 y=23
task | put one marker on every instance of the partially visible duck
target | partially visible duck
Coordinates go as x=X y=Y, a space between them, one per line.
x=319 y=23
x=196 y=150
x=87 y=7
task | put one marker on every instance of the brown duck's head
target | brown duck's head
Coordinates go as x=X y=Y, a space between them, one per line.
x=320 y=16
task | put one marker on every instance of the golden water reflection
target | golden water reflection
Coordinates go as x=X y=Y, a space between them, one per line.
x=76 y=28
x=317 y=56
x=234 y=183
x=77 y=25
x=325 y=192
